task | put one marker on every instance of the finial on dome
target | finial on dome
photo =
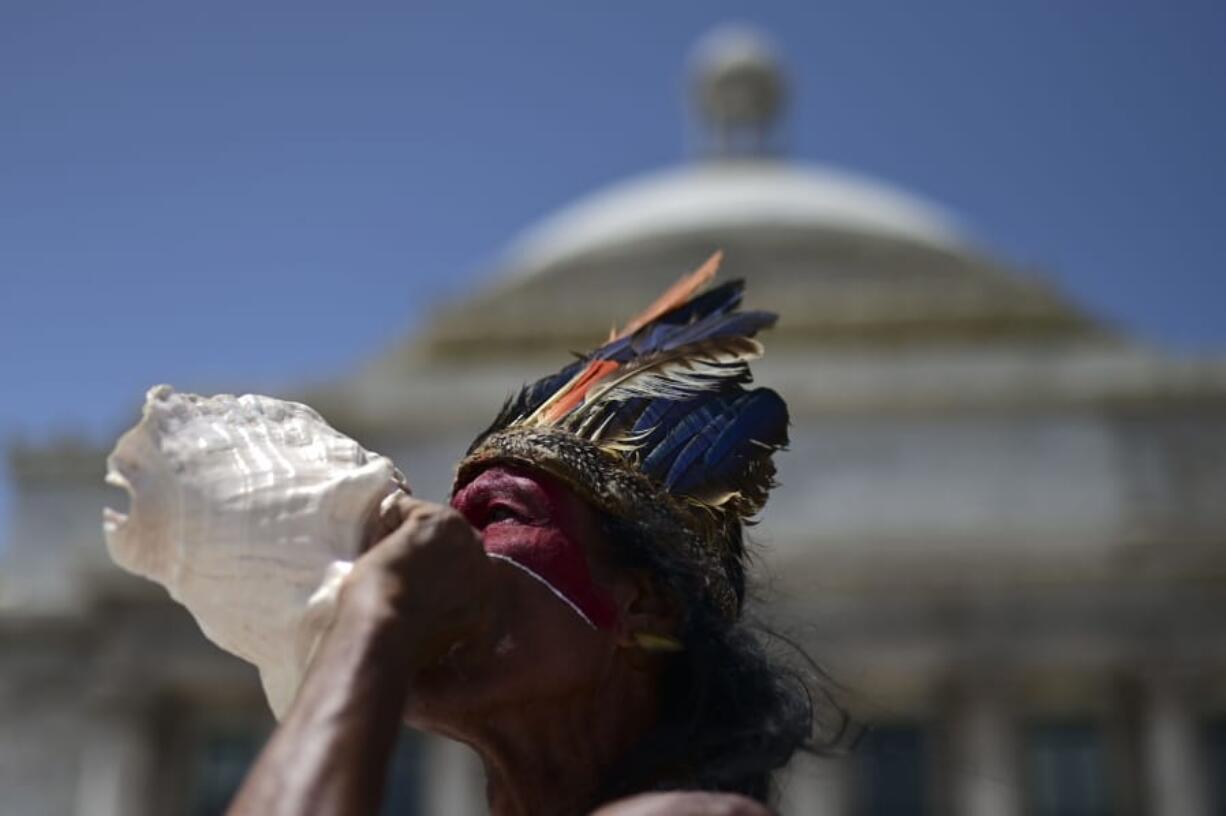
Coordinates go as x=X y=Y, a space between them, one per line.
x=738 y=90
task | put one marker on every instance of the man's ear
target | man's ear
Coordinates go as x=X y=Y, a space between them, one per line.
x=644 y=607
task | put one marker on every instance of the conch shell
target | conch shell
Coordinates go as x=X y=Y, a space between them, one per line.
x=249 y=511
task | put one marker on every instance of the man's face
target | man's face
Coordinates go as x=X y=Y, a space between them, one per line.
x=554 y=631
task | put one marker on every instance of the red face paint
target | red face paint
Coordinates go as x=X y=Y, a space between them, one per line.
x=533 y=521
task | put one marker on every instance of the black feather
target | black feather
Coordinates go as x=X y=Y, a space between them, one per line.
x=528 y=398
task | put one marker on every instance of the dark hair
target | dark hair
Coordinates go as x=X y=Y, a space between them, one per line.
x=736 y=703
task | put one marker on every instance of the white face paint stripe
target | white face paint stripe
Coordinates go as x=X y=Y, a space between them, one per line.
x=548 y=585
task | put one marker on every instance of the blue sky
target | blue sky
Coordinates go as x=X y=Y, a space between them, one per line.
x=229 y=194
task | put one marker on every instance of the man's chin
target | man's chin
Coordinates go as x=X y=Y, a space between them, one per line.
x=440 y=704
x=449 y=685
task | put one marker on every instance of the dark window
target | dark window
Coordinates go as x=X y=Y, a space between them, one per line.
x=219 y=766
x=402 y=793
x=1067 y=765
x=1216 y=734
x=892 y=772
x=225 y=754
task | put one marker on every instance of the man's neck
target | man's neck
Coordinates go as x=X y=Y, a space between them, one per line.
x=551 y=757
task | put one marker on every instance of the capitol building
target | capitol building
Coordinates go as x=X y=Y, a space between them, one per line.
x=1001 y=528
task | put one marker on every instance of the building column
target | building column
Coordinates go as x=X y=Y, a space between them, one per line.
x=1174 y=760
x=452 y=777
x=116 y=765
x=983 y=775
x=816 y=786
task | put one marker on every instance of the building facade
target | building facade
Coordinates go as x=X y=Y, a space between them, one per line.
x=1001 y=528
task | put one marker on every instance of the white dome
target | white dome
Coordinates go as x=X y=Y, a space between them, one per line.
x=728 y=195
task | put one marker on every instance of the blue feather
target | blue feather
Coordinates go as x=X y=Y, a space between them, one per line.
x=761 y=416
x=737 y=324
x=651 y=338
x=656 y=336
x=689 y=460
x=716 y=456
x=717 y=300
x=657 y=419
x=660 y=458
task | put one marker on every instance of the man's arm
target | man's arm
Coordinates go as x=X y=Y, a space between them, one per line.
x=330 y=754
x=406 y=601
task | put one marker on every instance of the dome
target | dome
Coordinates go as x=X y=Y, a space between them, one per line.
x=842 y=257
x=733 y=195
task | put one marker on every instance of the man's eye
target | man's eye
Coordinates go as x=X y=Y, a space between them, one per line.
x=500 y=513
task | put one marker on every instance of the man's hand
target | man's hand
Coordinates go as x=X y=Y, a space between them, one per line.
x=428 y=577
x=684 y=803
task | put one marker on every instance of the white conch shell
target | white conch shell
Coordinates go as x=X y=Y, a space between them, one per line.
x=250 y=511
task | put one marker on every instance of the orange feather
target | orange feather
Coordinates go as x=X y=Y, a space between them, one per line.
x=592 y=374
x=573 y=392
x=677 y=294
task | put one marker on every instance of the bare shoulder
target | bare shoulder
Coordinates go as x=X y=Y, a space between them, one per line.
x=684 y=803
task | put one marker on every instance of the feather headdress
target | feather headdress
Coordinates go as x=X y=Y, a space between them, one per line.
x=658 y=426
